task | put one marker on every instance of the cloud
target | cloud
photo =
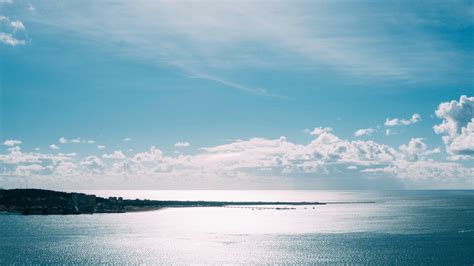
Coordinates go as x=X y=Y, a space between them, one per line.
x=320 y=130
x=71 y=154
x=455 y=114
x=325 y=152
x=12 y=142
x=153 y=155
x=14 y=148
x=364 y=132
x=17 y=25
x=118 y=155
x=77 y=140
x=54 y=147
x=415 y=118
x=443 y=172
x=18 y=157
x=257 y=91
x=100 y=147
x=326 y=155
x=27 y=170
x=127 y=139
x=92 y=163
x=463 y=145
x=65 y=169
x=10 y=40
x=457 y=127
x=182 y=144
x=416 y=149
x=9 y=29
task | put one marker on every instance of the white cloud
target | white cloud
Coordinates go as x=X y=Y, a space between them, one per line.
x=390 y=132
x=63 y=140
x=463 y=145
x=27 y=170
x=10 y=40
x=457 y=127
x=326 y=155
x=118 y=155
x=456 y=115
x=54 y=147
x=14 y=148
x=18 y=157
x=320 y=130
x=127 y=139
x=12 y=142
x=17 y=25
x=71 y=154
x=78 y=140
x=327 y=150
x=100 y=147
x=415 y=118
x=422 y=170
x=182 y=144
x=257 y=91
x=153 y=155
x=66 y=169
x=9 y=29
x=364 y=132
x=92 y=163
x=416 y=149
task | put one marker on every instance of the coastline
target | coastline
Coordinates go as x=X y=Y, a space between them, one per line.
x=48 y=202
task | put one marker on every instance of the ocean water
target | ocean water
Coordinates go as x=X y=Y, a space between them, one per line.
x=400 y=228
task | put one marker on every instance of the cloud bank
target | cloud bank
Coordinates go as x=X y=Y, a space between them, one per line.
x=325 y=156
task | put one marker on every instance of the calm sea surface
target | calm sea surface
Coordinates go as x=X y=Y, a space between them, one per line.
x=402 y=227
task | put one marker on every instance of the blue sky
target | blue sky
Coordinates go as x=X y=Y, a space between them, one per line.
x=228 y=78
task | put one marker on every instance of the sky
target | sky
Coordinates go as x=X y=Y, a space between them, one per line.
x=237 y=94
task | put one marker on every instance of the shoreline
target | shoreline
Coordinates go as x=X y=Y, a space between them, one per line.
x=48 y=202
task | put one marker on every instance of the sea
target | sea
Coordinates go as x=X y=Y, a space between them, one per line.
x=410 y=227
